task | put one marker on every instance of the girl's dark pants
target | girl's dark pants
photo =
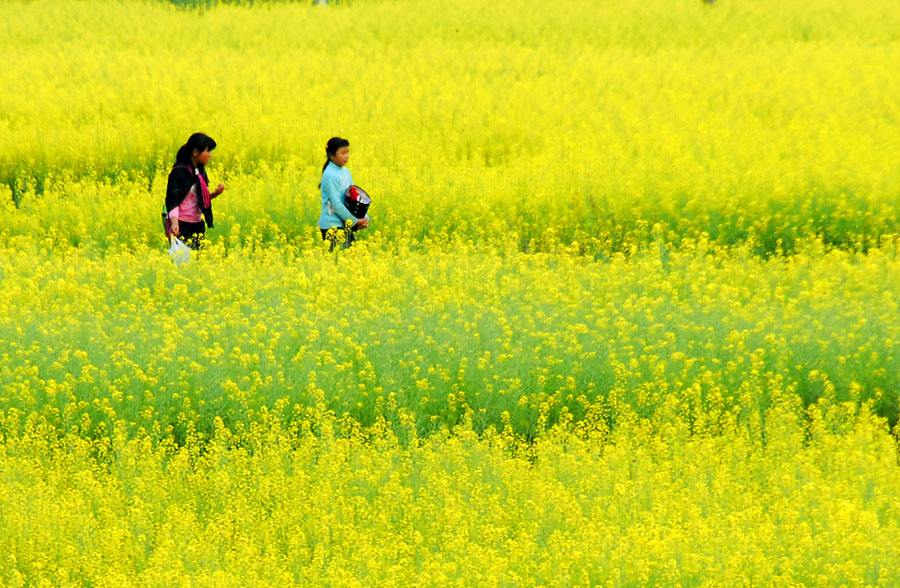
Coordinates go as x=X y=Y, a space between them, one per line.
x=192 y=233
x=338 y=237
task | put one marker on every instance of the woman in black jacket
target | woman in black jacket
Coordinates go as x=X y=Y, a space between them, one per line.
x=188 y=199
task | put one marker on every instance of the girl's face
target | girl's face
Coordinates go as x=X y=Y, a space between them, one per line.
x=341 y=156
x=202 y=158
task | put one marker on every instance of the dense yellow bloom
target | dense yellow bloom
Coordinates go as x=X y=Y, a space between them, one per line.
x=541 y=423
x=816 y=503
x=594 y=125
x=627 y=314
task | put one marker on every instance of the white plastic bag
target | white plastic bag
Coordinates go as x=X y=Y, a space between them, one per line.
x=179 y=252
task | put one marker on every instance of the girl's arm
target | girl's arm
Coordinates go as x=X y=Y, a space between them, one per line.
x=217 y=191
x=332 y=191
x=177 y=188
x=173 y=222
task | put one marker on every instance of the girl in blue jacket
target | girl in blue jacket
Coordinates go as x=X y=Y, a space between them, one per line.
x=336 y=179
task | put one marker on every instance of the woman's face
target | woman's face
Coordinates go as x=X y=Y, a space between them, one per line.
x=341 y=156
x=202 y=158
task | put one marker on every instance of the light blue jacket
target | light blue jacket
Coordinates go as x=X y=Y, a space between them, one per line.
x=335 y=181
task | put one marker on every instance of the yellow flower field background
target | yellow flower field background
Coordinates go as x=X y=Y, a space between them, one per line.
x=627 y=313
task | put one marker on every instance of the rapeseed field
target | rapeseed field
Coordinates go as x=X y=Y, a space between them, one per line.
x=627 y=313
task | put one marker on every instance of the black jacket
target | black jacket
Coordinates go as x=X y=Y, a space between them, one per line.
x=181 y=179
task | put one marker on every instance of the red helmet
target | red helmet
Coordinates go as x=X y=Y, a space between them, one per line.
x=357 y=201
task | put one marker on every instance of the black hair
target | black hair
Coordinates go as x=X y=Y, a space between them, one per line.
x=197 y=141
x=331 y=148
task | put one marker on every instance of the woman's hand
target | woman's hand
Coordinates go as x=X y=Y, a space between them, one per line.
x=362 y=223
x=218 y=190
x=175 y=230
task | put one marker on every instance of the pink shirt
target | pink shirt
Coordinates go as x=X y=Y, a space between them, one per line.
x=188 y=210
